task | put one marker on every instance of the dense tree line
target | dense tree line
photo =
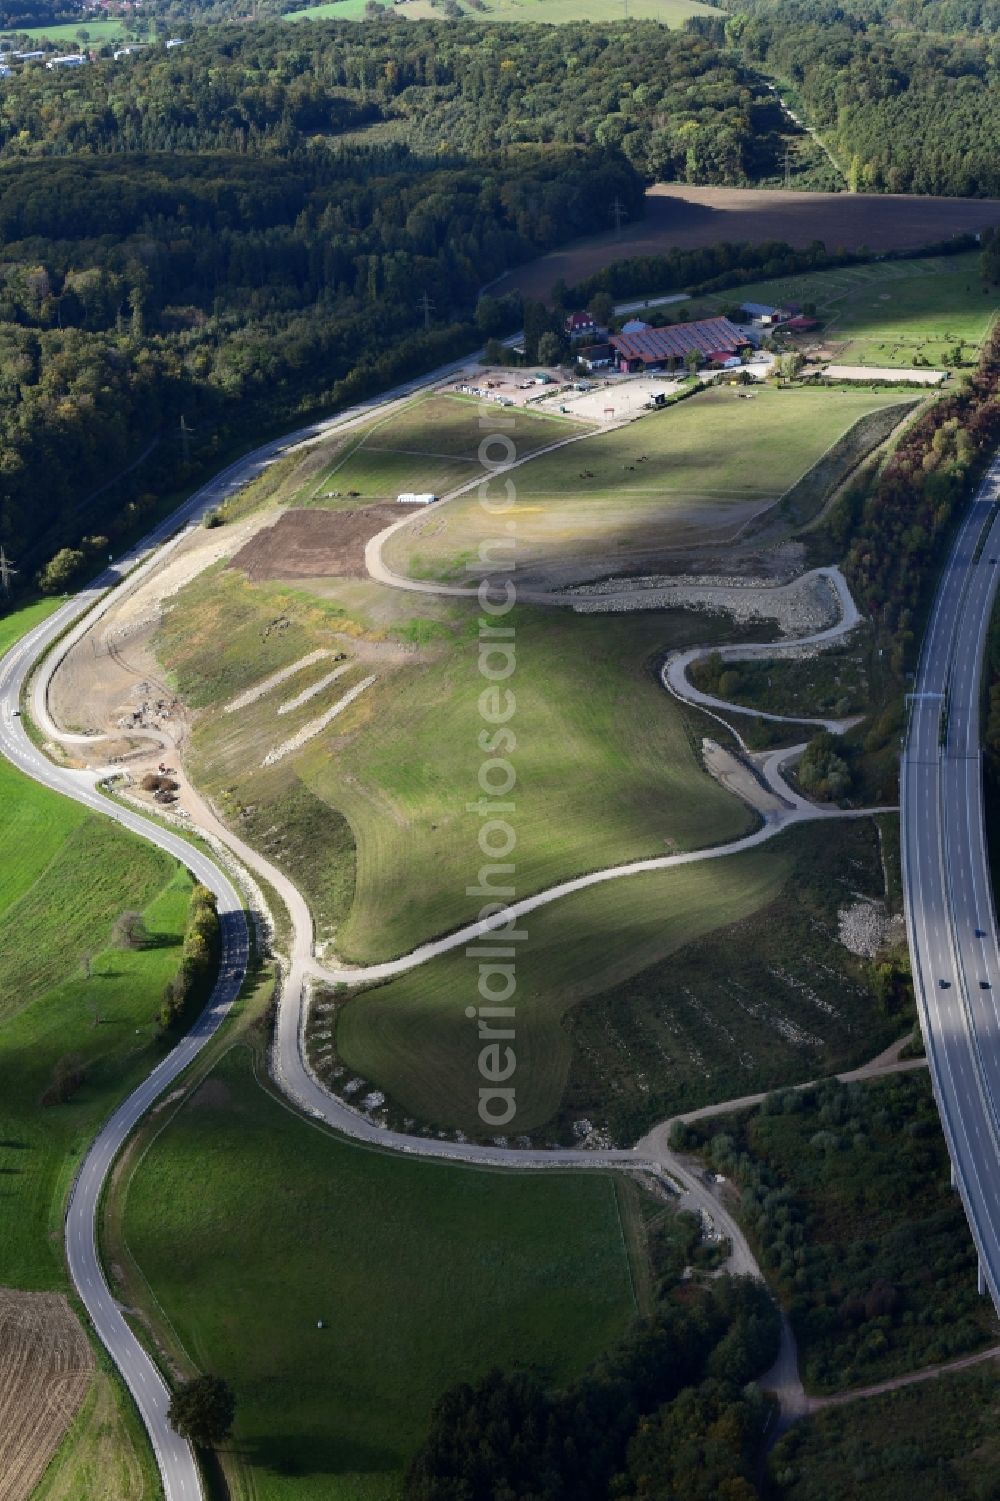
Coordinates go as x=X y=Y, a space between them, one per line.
x=192 y=985
x=157 y=268
x=675 y=104
x=903 y=111
x=136 y=291
x=898 y=525
x=843 y=1191
x=681 y=1375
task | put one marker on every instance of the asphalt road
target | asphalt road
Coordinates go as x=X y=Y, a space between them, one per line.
x=951 y=921
x=177 y=1465
x=178 y=1468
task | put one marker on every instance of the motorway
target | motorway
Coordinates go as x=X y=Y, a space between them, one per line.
x=951 y=922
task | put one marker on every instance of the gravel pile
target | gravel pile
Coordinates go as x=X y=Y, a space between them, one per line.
x=801 y=608
x=865 y=929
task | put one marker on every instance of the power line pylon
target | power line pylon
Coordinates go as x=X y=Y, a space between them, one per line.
x=7 y=571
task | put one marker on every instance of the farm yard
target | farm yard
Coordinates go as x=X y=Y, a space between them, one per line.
x=689 y=218
x=421 y=1275
x=692 y=475
x=889 y=313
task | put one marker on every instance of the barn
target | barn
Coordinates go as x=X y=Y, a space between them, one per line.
x=669 y=347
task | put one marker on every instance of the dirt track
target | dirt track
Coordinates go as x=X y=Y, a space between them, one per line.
x=693 y=217
x=46 y=1366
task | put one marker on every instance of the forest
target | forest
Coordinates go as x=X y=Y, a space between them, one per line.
x=137 y=291
x=672 y=1412
x=903 y=110
x=158 y=266
x=676 y=105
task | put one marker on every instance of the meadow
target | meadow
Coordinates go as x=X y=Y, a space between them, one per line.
x=643 y=997
x=893 y=313
x=432 y=444
x=696 y=473
x=421 y=1274
x=68 y=33
x=605 y=767
x=65 y=877
x=412 y=1039
x=554 y=12
x=771 y=998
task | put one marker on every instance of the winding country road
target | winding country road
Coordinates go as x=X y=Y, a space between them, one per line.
x=46 y=645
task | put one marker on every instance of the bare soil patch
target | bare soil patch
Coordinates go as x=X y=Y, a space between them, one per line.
x=689 y=218
x=46 y=1366
x=313 y=544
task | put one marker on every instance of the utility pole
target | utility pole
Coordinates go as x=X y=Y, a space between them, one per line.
x=426 y=305
x=788 y=168
x=7 y=571
x=618 y=213
x=185 y=439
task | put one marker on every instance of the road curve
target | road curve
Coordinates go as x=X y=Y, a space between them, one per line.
x=178 y=1468
x=951 y=922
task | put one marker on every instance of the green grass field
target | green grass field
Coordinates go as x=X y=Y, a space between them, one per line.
x=773 y=998
x=644 y=997
x=556 y=12
x=104 y=1453
x=698 y=472
x=606 y=771
x=413 y=1040
x=894 y=313
x=422 y=1274
x=65 y=876
x=98 y=32
x=433 y=444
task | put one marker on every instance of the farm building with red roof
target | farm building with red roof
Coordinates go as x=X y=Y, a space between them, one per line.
x=650 y=348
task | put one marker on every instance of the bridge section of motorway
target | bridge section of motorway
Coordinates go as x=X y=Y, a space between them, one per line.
x=951 y=921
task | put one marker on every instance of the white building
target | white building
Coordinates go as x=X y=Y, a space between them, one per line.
x=71 y=60
x=415 y=498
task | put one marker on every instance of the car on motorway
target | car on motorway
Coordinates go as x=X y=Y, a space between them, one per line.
x=984 y=984
x=945 y=984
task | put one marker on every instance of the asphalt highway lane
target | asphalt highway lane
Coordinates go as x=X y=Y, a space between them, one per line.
x=951 y=921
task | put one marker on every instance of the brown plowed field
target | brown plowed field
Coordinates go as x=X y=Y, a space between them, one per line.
x=314 y=544
x=46 y=1366
x=691 y=217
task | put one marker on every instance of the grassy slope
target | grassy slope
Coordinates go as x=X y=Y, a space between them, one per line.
x=773 y=999
x=433 y=444
x=412 y=1037
x=422 y=1274
x=65 y=876
x=673 y=478
x=670 y=12
x=605 y=768
x=927 y=1441
x=888 y=312
x=104 y=1453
